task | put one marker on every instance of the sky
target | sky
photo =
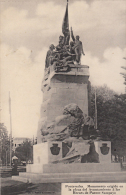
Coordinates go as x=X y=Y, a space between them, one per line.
x=27 y=30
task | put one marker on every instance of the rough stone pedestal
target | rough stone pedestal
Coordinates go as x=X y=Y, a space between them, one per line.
x=60 y=89
x=63 y=88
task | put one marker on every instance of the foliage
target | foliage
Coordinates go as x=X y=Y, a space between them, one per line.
x=111 y=115
x=124 y=73
x=4 y=144
x=25 y=151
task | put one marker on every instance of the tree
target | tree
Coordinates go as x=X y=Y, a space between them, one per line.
x=103 y=94
x=111 y=119
x=25 y=151
x=124 y=74
x=5 y=144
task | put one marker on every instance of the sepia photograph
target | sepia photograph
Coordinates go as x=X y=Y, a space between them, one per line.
x=63 y=97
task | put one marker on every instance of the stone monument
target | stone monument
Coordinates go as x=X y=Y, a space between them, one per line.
x=64 y=139
x=67 y=147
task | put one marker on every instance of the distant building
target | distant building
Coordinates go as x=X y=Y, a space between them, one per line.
x=17 y=141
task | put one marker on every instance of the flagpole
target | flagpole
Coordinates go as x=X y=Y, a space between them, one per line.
x=95 y=109
x=10 y=129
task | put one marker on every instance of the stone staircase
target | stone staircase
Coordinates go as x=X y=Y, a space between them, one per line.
x=71 y=177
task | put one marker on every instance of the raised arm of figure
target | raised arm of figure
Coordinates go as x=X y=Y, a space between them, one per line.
x=72 y=35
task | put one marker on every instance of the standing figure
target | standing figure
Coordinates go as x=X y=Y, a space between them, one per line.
x=61 y=39
x=60 y=46
x=50 y=56
x=78 y=47
x=72 y=51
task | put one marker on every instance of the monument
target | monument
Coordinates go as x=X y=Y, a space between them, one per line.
x=68 y=148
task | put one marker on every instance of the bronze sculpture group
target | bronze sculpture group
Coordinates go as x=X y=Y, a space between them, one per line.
x=64 y=53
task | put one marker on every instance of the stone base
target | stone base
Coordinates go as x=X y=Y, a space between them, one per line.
x=47 y=160
x=81 y=168
x=74 y=168
x=43 y=153
x=34 y=168
x=45 y=171
x=71 y=177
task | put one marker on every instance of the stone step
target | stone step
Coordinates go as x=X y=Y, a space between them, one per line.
x=81 y=168
x=75 y=177
x=70 y=175
x=22 y=179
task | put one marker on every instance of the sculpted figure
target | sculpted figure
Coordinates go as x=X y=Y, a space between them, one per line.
x=78 y=47
x=66 y=57
x=66 y=54
x=48 y=55
x=61 y=43
x=61 y=39
x=60 y=47
x=72 y=51
x=51 y=56
x=92 y=156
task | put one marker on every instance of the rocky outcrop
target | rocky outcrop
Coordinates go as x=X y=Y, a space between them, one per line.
x=64 y=126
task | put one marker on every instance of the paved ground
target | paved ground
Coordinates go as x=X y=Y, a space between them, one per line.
x=11 y=187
